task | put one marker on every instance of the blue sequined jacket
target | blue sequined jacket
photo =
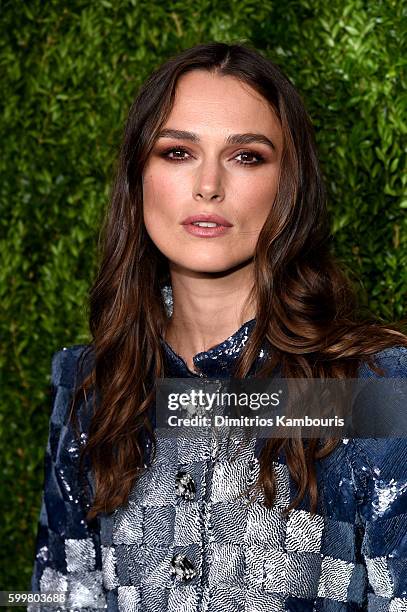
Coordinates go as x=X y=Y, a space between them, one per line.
x=186 y=541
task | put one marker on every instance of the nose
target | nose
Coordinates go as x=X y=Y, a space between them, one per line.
x=208 y=185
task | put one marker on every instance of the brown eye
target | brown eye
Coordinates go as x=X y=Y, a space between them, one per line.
x=250 y=154
x=175 y=151
x=179 y=154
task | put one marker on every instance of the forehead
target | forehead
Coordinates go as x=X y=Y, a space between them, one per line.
x=207 y=101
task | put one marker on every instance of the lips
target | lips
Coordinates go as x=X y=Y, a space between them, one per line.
x=207 y=218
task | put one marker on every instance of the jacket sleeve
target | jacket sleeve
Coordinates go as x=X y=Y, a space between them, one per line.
x=380 y=471
x=67 y=555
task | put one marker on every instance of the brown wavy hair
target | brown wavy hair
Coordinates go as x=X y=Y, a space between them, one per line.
x=306 y=304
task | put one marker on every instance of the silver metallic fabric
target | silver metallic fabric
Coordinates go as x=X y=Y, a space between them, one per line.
x=191 y=540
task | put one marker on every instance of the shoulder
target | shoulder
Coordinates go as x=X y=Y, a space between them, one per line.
x=70 y=366
x=68 y=362
x=393 y=360
x=380 y=464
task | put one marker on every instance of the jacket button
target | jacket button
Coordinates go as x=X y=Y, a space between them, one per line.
x=182 y=567
x=185 y=485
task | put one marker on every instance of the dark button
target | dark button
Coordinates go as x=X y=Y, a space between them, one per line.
x=182 y=567
x=185 y=485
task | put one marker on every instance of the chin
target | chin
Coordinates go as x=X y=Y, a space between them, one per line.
x=201 y=265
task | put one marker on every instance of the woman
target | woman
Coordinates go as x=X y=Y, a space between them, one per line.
x=134 y=521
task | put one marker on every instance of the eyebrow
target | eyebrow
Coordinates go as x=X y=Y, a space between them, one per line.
x=240 y=139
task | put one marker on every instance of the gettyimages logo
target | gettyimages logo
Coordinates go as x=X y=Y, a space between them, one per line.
x=279 y=407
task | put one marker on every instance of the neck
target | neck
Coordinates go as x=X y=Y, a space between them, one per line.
x=207 y=310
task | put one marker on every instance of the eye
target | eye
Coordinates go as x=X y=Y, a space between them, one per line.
x=252 y=154
x=175 y=150
x=178 y=154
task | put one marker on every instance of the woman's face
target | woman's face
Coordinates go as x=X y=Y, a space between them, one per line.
x=220 y=155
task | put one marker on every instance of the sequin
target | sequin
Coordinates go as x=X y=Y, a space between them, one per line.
x=109 y=567
x=79 y=554
x=85 y=590
x=43 y=554
x=190 y=539
x=379 y=576
x=304 y=532
x=386 y=494
x=335 y=578
x=129 y=599
x=53 y=581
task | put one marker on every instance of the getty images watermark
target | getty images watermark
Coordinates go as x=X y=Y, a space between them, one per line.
x=281 y=407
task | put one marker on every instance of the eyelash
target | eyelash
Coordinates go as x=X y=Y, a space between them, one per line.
x=182 y=150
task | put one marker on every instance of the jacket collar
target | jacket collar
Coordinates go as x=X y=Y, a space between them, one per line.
x=219 y=360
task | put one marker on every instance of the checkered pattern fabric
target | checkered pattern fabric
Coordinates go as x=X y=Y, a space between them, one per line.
x=246 y=557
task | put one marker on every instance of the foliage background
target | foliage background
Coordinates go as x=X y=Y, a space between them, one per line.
x=69 y=72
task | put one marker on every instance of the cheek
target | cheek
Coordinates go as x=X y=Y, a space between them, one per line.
x=155 y=198
x=161 y=193
x=254 y=199
x=160 y=208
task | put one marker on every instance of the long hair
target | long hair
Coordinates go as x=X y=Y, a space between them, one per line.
x=305 y=305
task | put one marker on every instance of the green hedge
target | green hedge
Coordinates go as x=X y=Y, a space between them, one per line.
x=69 y=73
